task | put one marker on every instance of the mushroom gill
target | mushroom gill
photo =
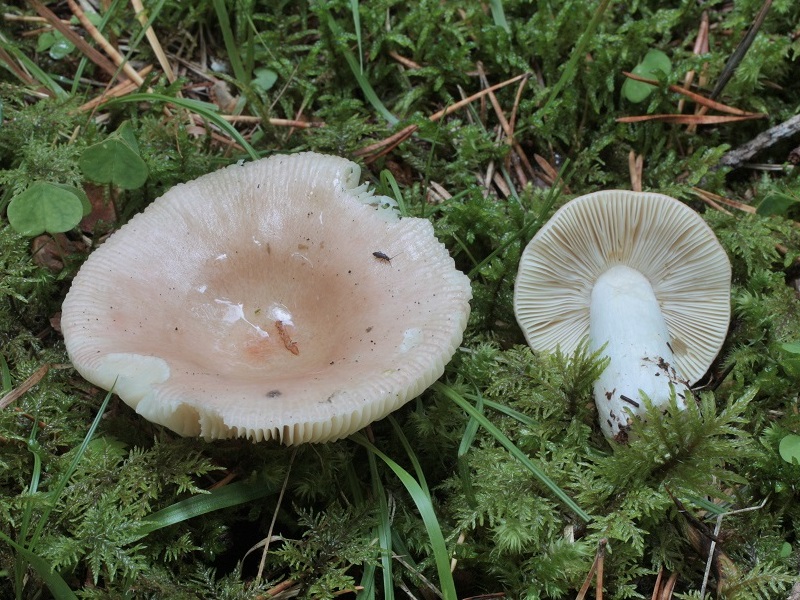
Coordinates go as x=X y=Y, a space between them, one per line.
x=638 y=274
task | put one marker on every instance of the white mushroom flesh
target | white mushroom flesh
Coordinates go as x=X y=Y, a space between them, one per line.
x=625 y=319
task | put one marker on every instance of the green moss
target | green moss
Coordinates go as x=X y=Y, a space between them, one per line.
x=650 y=500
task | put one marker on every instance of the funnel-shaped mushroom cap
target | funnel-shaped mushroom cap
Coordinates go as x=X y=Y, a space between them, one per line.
x=658 y=236
x=278 y=299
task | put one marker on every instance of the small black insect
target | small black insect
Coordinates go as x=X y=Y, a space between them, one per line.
x=383 y=257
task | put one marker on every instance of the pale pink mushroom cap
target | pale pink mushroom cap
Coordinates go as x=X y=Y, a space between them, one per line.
x=249 y=303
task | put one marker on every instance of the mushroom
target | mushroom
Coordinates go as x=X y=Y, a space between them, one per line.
x=250 y=303
x=644 y=279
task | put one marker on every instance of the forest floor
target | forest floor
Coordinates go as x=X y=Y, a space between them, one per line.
x=483 y=118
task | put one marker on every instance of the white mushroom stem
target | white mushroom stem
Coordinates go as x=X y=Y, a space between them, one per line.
x=626 y=317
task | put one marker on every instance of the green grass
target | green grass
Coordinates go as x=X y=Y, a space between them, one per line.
x=497 y=478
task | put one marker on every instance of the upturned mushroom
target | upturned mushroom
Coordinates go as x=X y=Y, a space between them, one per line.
x=639 y=275
x=254 y=302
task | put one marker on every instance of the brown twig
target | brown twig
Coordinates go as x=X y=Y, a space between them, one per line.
x=26 y=385
x=508 y=128
x=763 y=140
x=669 y=587
x=390 y=142
x=517 y=99
x=152 y=38
x=378 y=149
x=18 y=70
x=550 y=173
x=459 y=542
x=27 y=18
x=657 y=586
x=710 y=198
x=690 y=119
x=700 y=47
x=597 y=567
x=469 y=99
x=298 y=114
x=436 y=193
x=98 y=37
x=281 y=587
x=274 y=122
x=501 y=117
x=427 y=582
x=230 y=476
x=406 y=62
x=716 y=201
x=698 y=98
x=275 y=516
x=91 y=53
x=635 y=167
x=501 y=184
x=121 y=89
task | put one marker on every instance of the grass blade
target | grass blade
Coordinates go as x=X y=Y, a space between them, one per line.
x=56 y=492
x=465 y=249
x=201 y=504
x=425 y=508
x=363 y=82
x=33 y=69
x=508 y=411
x=204 y=109
x=463 y=465
x=470 y=431
x=20 y=563
x=357 y=27
x=512 y=449
x=384 y=530
x=224 y=24
x=55 y=583
x=577 y=54
x=708 y=505
x=499 y=15
x=411 y=455
x=22 y=558
x=5 y=373
x=367 y=591
x=388 y=181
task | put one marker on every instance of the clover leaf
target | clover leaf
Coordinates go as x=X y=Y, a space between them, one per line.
x=264 y=79
x=115 y=160
x=777 y=203
x=789 y=448
x=49 y=207
x=654 y=65
x=791 y=363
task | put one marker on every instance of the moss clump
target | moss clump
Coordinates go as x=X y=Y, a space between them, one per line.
x=367 y=75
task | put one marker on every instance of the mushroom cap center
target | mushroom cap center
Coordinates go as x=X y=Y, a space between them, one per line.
x=295 y=317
